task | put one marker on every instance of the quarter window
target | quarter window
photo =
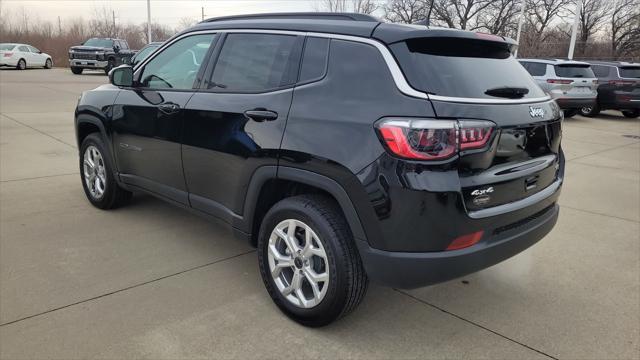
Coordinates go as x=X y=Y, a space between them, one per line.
x=255 y=62
x=537 y=69
x=600 y=71
x=176 y=67
x=314 y=59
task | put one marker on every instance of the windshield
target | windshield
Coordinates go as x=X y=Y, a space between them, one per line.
x=464 y=68
x=103 y=43
x=142 y=54
x=630 y=72
x=574 y=71
x=7 y=46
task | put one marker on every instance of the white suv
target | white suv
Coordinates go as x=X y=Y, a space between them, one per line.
x=571 y=83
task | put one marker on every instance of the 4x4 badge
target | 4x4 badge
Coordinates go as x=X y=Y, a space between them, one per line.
x=536 y=111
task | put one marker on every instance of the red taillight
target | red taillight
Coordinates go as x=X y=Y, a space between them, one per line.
x=474 y=134
x=621 y=82
x=559 y=81
x=422 y=139
x=8 y=54
x=464 y=241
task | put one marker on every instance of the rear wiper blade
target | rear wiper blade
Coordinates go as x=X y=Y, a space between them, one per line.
x=508 y=92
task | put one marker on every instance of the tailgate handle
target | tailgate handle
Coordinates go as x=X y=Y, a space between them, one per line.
x=530 y=183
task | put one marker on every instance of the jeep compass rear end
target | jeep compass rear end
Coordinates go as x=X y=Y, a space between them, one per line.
x=343 y=148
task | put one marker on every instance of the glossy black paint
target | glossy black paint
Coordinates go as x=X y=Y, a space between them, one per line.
x=229 y=155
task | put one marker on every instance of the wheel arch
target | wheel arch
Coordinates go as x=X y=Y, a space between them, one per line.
x=270 y=184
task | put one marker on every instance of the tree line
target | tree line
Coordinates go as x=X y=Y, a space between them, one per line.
x=608 y=29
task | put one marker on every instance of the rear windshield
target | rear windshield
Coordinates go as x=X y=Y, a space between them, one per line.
x=6 y=46
x=574 y=71
x=104 y=43
x=463 y=68
x=630 y=72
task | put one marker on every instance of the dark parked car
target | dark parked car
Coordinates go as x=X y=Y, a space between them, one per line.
x=99 y=54
x=618 y=88
x=343 y=148
x=144 y=52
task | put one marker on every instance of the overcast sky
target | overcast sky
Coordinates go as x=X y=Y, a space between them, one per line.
x=168 y=12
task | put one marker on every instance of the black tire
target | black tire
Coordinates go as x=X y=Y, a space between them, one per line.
x=631 y=113
x=48 y=64
x=22 y=64
x=111 y=63
x=570 y=113
x=113 y=196
x=590 y=111
x=348 y=281
x=76 y=70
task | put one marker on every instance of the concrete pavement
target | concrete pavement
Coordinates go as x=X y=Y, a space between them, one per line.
x=153 y=281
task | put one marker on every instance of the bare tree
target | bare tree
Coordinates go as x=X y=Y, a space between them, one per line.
x=102 y=24
x=625 y=28
x=459 y=14
x=357 y=6
x=542 y=14
x=500 y=17
x=593 y=15
x=406 y=11
x=186 y=22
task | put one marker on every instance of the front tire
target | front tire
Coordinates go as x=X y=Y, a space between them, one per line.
x=590 y=111
x=110 y=65
x=22 y=64
x=48 y=64
x=76 y=70
x=631 y=113
x=96 y=173
x=308 y=260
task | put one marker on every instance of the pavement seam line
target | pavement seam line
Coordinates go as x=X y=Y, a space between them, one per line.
x=475 y=324
x=37 y=130
x=37 y=177
x=599 y=152
x=126 y=288
x=597 y=213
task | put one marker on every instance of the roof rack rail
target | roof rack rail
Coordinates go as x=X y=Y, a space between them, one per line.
x=298 y=15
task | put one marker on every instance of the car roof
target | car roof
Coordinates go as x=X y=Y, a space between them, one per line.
x=613 y=63
x=349 y=24
x=556 y=61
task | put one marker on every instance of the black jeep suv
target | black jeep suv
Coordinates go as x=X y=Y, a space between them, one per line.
x=618 y=88
x=343 y=148
x=101 y=54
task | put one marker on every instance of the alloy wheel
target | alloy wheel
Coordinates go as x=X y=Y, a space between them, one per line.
x=95 y=175
x=298 y=263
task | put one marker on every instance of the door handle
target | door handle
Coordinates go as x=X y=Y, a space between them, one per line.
x=261 y=115
x=169 y=108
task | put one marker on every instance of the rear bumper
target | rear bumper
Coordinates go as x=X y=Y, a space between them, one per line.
x=408 y=270
x=88 y=64
x=9 y=62
x=571 y=103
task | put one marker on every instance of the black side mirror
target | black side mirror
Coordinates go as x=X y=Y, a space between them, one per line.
x=121 y=76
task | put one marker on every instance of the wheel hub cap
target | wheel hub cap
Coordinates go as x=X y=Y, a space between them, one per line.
x=94 y=172
x=298 y=263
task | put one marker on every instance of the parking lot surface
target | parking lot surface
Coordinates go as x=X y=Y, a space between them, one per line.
x=153 y=281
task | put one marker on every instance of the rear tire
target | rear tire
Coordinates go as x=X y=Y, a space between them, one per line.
x=97 y=176
x=76 y=70
x=631 y=113
x=590 y=111
x=569 y=113
x=110 y=65
x=330 y=255
x=48 y=64
x=22 y=64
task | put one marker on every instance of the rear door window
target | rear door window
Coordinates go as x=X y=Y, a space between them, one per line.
x=466 y=68
x=537 y=69
x=23 y=49
x=630 y=72
x=256 y=63
x=574 y=71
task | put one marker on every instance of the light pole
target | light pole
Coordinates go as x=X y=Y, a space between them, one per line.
x=574 y=31
x=149 y=20
x=520 y=22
